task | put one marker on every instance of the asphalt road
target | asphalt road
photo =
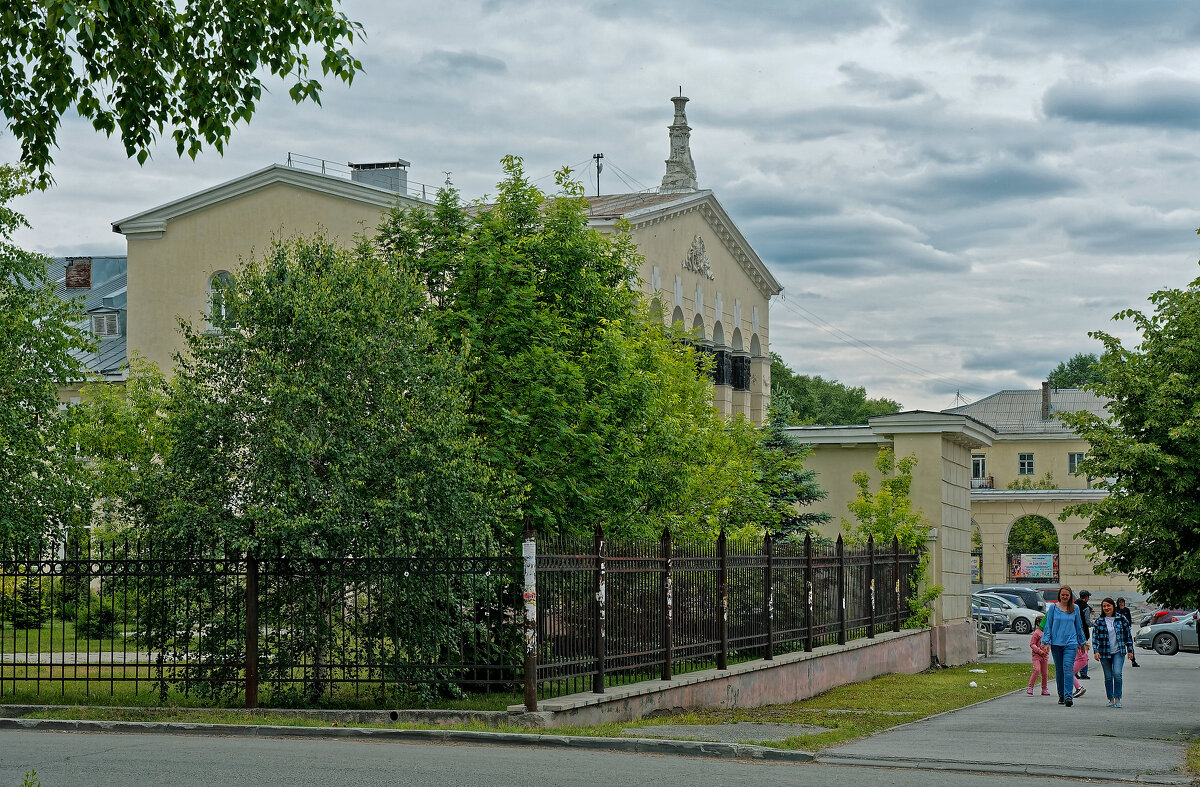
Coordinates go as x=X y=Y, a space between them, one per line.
x=69 y=759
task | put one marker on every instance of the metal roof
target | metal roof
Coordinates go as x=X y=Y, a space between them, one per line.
x=1020 y=412
x=108 y=292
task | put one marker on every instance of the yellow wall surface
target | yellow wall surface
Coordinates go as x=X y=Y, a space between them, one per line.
x=169 y=276
x=1049 y=456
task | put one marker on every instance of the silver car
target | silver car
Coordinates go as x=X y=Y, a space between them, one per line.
x=1170 y=638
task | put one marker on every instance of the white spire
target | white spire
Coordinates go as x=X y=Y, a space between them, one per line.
x=681 y=172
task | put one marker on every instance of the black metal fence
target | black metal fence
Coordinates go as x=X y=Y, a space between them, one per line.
x=128 y=616
x=620 y=612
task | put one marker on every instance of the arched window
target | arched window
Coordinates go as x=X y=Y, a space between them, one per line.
x=220 y=313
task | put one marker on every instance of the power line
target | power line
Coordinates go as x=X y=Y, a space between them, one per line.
x=864 y=346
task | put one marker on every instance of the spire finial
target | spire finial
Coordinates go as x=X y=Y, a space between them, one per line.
x=681 y=171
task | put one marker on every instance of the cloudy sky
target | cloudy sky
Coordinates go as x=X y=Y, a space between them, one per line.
x=952 y=194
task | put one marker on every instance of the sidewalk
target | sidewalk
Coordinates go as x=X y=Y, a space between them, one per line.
x=1145 y=741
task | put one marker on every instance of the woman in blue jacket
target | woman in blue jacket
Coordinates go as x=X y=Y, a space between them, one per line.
x=1111 y=640
x=1063 y=632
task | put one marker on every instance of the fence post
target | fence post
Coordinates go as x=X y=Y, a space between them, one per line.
x=871 y=573
x=529 y=597
x=667 y=605
x=769 y=594
x=599 y=616
x=808 y=593
x=896 y=574
x=251 y=631
x=723 y=590
x=841 y=589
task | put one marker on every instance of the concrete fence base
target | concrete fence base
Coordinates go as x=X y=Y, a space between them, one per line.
x=786 y=678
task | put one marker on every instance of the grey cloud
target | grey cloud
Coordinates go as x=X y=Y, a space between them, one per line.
x=1158 y=101
x=973 y=187
x=883 y=85
x=1132 y=235
x=441 y=63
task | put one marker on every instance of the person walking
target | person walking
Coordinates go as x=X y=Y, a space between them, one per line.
x=1085 y=617
x=1063 y=632
x=1040 y=655
x=1111 y=640
x=1127 y=613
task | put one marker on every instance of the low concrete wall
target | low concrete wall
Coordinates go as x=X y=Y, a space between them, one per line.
x=955 y=643
x=786 y=678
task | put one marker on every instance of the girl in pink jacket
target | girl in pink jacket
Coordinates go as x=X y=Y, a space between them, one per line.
x=1041 y=658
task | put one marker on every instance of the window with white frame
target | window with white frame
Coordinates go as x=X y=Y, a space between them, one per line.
x=978 y=466
x=1024 y=464
x=106 y=325
x=1073 y=462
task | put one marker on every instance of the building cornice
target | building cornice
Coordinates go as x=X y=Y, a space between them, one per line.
x=152 y=224
x=1037 y=495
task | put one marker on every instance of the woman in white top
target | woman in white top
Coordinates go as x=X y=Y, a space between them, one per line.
x=1111 y=640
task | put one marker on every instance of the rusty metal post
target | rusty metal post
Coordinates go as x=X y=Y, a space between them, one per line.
x=251 y=632
x=529 y=597
x=598 y=618
x=808 y=593
x=723 y=591
x=871 y=576
x=769 y=594
x=841 y=589
x=667 y=590
x=896 y=575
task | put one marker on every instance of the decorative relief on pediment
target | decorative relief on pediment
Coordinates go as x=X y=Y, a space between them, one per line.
x=696 y=260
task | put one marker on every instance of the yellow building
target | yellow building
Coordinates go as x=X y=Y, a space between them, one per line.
x=698 y=265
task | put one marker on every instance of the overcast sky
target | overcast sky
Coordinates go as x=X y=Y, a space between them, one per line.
x=952 y=193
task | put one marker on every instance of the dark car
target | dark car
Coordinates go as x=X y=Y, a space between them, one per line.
x=1029 y=597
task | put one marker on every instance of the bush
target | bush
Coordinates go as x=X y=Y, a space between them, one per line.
x=95 y=620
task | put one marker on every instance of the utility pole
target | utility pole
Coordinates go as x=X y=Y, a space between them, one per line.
x=599 y=169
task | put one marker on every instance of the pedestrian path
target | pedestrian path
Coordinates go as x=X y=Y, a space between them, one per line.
x=1145 y=741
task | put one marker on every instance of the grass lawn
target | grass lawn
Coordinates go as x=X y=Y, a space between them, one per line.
x=848 y=712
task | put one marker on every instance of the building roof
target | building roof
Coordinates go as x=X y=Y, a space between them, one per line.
x=1020 y=412
x=107 y=293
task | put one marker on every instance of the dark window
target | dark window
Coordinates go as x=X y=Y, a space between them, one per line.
x=723 y=369
x=741 y=373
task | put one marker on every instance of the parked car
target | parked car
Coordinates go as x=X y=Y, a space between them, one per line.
x=989 y=619
x=1171 y=637
x=1021 y=619
x=1028 y=595
x=1049 y=595
x=1165 y=616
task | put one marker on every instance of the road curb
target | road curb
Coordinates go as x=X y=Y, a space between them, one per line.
x=1010 y=769
x=703 y=749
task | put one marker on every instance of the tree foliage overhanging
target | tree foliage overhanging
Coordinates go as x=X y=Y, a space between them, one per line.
x=1146 y=452
x=38 y=334
x=141 y=68
x=816 y=401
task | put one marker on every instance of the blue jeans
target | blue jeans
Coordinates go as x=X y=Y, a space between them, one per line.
x=1113 y=665
x=1064 y=654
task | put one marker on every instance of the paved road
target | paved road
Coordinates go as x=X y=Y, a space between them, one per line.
x=68 y=759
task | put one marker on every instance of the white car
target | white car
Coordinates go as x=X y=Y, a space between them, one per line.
x=1021 y=619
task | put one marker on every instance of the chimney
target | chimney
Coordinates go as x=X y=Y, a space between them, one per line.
x=1045 y=401
x=681 y=172
x=388 y=175
x=79 y=273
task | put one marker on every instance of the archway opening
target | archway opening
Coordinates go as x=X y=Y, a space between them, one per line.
x=1032 y=550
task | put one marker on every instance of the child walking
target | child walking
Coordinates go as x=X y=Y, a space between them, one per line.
x=1041 y=658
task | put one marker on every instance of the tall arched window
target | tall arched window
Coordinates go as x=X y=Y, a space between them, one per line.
x=220 y=314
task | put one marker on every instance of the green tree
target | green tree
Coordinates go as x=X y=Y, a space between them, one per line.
x=590 y=409
x=887 y=513
x=38 y=334
x=1032 y=535
x=792 y=488
x=149 y=67
x=816 y=401
x=327 y=418
x=1146 y=452
x=1079 y=372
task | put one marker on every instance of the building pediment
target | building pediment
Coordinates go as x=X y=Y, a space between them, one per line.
x=647 y=210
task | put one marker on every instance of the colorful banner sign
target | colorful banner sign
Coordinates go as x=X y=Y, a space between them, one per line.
x=1034 y=566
